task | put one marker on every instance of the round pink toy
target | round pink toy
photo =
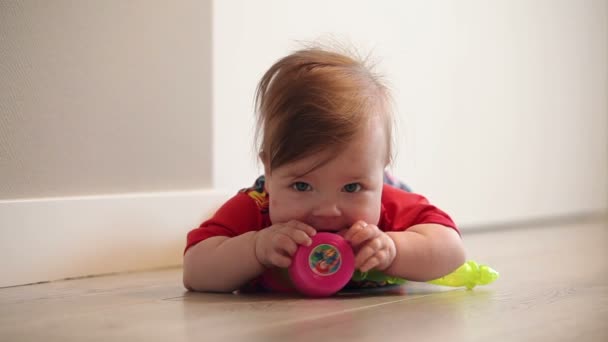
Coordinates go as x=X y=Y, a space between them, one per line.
x=324 y=267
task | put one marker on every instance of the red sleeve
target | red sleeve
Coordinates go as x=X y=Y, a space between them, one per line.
x=401 y=210
x=239 y=215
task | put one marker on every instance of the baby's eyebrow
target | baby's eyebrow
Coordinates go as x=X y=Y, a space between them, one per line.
x=357 y=179
x=295 y=174
x=301 y=173
x=357 y=174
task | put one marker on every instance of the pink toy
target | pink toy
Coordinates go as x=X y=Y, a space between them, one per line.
x=324 y=267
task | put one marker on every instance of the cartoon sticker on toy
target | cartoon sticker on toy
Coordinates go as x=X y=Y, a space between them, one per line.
x=324 y=260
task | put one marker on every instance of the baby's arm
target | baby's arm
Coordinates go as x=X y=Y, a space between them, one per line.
x=223 y=264
x=422 y=252
x=420 y=243
x=425 y=252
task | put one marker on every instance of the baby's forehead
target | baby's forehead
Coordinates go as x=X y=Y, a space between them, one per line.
x=346 y=163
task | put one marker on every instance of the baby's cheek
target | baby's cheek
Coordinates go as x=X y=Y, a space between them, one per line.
x=375 y=214
x=372 y=214
x=284 y=211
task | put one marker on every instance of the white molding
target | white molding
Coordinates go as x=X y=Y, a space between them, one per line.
x=56 y=238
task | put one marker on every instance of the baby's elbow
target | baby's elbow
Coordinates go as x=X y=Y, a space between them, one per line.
x=203 y=287
x=187 y=276
x=198 y=273
x=186 y=281
x=458 y=254
x=191 y=278
x=194 y=282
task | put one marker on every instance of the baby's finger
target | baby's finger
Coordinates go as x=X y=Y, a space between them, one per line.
x=279 y=260
x=299 y=237
x=369 y=264
x=354 y=229
x=363 y=255
x=310 y=231
x=285 y=243
x=383 y=259
x=366 y=234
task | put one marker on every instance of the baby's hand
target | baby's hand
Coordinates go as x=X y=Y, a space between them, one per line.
x=276 y=245
x=373 y=247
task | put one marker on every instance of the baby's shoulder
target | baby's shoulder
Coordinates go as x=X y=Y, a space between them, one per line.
x=258 y=186
x=257 y=194
x=391 y=194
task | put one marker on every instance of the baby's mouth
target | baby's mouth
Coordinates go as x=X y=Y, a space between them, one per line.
x=328 y=225
x=329 y=229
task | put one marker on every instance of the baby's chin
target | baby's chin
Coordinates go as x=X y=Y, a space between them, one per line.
x=342 y=231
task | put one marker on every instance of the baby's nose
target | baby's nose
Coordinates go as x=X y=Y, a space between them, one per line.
x=327 y=208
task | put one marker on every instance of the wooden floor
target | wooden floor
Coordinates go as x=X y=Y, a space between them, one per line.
x=553 y=287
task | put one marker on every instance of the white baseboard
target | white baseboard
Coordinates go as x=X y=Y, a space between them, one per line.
x=58 y=238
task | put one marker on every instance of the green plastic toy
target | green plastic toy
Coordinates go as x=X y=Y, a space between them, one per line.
x=469 y=275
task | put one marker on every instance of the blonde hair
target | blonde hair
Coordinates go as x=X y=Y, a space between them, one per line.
x=314 y=99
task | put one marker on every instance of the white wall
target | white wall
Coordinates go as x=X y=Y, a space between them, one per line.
x=105 y=135
x=103 y=97
x=502 y=104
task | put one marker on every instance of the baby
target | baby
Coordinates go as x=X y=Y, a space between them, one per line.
x=324 y=131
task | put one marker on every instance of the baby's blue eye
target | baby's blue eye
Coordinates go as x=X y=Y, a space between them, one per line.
x=301 y=186
x=352 y=187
